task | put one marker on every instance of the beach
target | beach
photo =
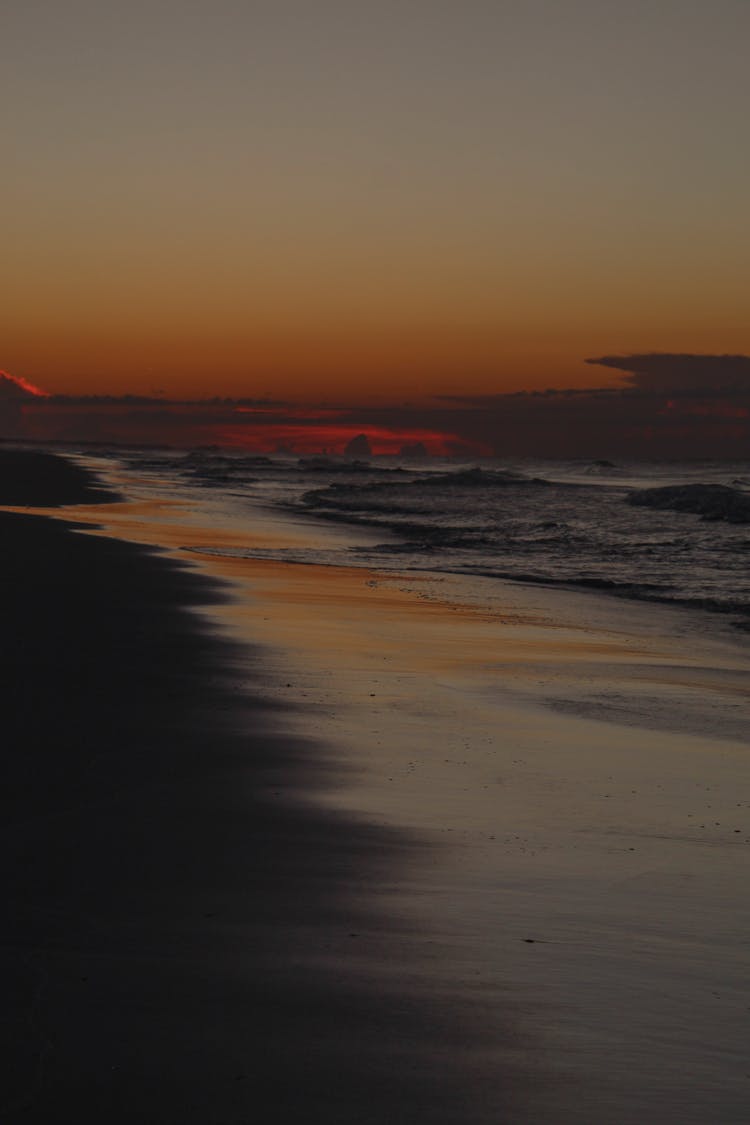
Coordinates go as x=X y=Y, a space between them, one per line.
x=359 y=847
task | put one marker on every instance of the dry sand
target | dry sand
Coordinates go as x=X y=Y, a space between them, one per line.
x=504 y=840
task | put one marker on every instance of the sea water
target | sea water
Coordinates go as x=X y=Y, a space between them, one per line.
x=669 y=532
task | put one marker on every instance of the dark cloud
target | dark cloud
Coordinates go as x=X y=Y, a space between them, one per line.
x=15 y=390
x=670 y=406
x=666 y=411
x=13 y=394
x=682 y=374
x=160 y=400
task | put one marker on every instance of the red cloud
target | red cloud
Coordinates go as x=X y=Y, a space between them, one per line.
x=16 y=387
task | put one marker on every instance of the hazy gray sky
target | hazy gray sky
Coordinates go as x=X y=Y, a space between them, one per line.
x=330 y=194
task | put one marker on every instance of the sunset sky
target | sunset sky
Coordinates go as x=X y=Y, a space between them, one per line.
x=368 y=202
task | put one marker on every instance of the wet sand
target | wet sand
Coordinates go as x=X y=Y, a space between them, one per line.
x=579 y=768
x=185 y=941
x=374 y=850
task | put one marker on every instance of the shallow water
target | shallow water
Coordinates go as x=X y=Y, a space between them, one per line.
x=572 y=524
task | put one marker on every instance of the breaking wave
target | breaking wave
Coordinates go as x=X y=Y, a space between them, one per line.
x=711 y=501
x=651 y=533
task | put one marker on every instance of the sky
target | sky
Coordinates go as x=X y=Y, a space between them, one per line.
x=363 y=202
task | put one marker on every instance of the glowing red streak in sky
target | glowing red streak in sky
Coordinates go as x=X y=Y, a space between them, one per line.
x=24 y=385
x=333 y=439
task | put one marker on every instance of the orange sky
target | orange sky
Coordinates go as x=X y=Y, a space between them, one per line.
x=380 y=203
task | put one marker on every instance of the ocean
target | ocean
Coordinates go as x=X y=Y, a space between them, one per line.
x=676 y=533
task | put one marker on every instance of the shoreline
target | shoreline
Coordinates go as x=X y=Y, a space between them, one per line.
x=187 y=942
x=555 y=872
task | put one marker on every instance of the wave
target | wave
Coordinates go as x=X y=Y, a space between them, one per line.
x=428 y=493
x=321 y=464
x=506 y=523
x=477 y=477
x=711 y=501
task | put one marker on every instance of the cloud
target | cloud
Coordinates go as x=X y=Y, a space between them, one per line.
x=264 y=429
x=670 y=406
x=14 y=392
x=682 y=374
x=15 y=389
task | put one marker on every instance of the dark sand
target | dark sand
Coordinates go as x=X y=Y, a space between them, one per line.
x=183 y=943
x=28 y=477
